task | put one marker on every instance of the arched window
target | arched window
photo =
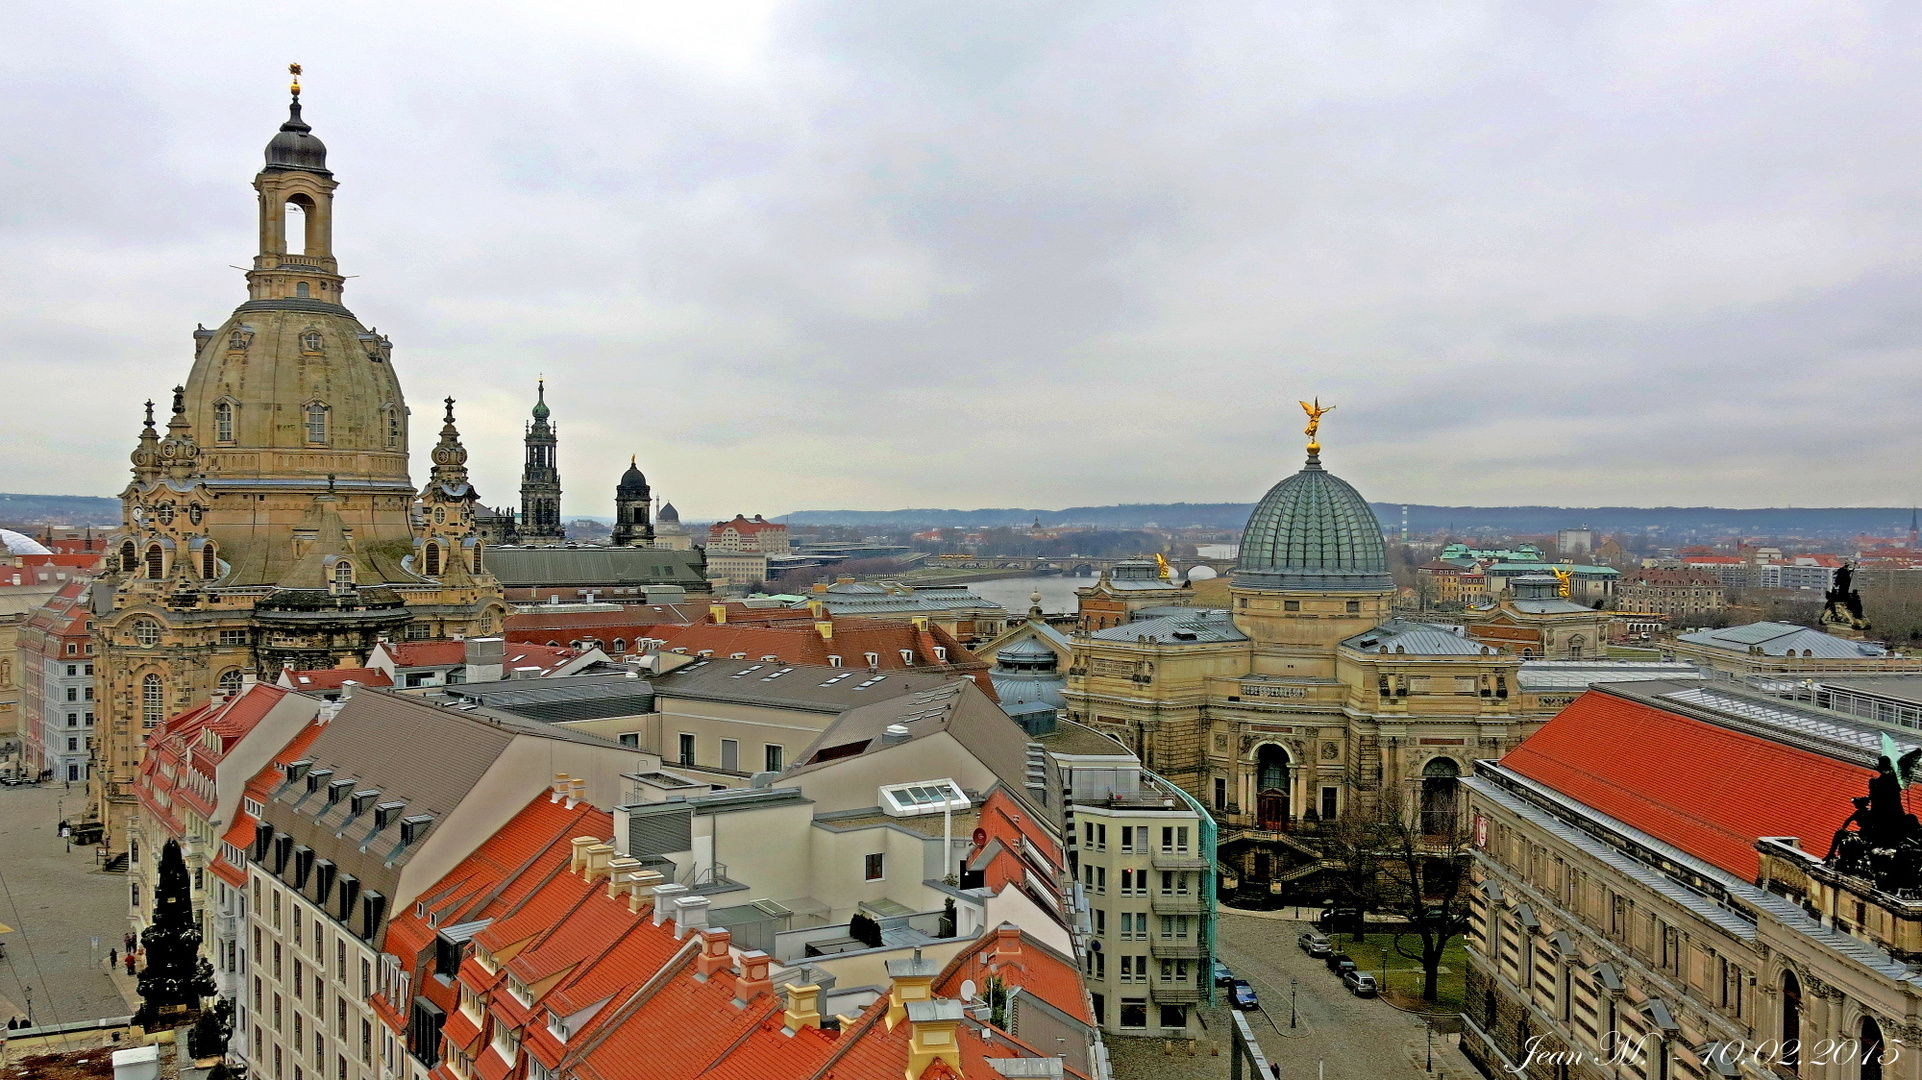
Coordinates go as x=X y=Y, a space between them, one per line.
x=1791 y=1022
x=1871 y=1049
x=316 y=423
x=224 y=421
x=393 y=427
x=344 y=574
x=620 y=646
x=300 y=290
x=1271 y=787
x=1439 y=786
x=153 y=700
x=432 y=561
x=477 y=558
x=129 y=557
x=209 y=562
x=156 y=561
x=230 y=681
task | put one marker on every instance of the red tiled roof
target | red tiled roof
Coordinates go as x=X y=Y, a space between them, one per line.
x=409 y=654
x=331 y=678
x=1708 y=790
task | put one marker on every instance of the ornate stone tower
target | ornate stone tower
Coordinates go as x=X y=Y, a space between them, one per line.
x=541 y=479
x=632 y=500
x=274 y=523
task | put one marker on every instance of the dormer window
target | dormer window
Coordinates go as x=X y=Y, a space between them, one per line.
x=224 y=421
x=311 y=341
x=343 y=575
x=393 y=427
x=316 y=422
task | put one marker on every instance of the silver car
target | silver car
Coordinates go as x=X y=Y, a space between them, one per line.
x=1314 y=943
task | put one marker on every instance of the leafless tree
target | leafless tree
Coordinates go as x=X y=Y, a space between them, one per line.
x=1415 y=865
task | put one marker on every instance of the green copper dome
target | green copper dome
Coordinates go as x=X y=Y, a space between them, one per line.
x=540 y=401
x=1312 y=532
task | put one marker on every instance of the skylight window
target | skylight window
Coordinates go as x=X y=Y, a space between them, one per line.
x=923 y=797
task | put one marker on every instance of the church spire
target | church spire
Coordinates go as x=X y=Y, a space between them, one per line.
x=296 y=196
x=541 y=478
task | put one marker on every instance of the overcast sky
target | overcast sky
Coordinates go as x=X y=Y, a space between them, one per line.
x=875 y=255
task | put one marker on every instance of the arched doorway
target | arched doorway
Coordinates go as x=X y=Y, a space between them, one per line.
x=1871 y=1049
x=1439 y=786
x=1791 y=1022
x=1271 y=787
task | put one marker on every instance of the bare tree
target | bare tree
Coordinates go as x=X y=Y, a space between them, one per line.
x=1415 y=865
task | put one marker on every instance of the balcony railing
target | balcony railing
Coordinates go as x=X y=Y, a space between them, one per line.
x=1179 y=860
x=1176 y=948
x=1176 y=904
x=1177 y=993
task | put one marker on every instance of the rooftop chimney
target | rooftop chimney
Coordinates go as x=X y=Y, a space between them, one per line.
x=559 y=790
x=576 y=792
x=598 y=858
x=347 y=688
x=753 y=980
x=485 y=658
x=665 y=901
x=619 y=870
x=577 y=859
x=690 y=913
x=932 y=1039
x=714 y=954
x=803 y=1006
x=640 y=888
x=717 y=613
x=1007 y=947
x=911 y=980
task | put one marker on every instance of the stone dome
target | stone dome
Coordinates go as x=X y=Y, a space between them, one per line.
x=669 y=514
x=1313 y=532
x=295 y=146
x=633 y=480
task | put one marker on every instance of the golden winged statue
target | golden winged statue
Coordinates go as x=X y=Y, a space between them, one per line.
x=1167 y=572
x=1314 y=412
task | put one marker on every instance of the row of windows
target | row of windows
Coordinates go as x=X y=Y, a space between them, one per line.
x=773 y=756
x=1136 y=838
x=1134 y=925
x=154 y=564
x=1134 y=882
x=226 y=413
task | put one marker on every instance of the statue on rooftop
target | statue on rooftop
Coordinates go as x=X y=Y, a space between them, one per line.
x=1885 y=845
x=1842 y=604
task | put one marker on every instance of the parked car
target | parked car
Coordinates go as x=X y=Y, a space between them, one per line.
x=1241 y=995
x=1339 y=963
x=1223 y=977
x=1360 y=983
x=1340 y=920
x=1314 y=943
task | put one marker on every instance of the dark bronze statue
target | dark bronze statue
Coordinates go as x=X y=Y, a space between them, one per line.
x=1885 y=844
x=1842 y=604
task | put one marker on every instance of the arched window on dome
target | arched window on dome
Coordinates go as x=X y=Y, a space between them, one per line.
x=301 y=290
x=156 y=562
x=392 y=419
x=431 y=560
x=209 y=562
x=224 y=421
x=477 y=558
x=129 y=557
x=153 y=700
x=316 y=422
x=343 y=574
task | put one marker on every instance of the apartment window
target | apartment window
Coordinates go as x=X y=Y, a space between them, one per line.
x=1174 y=838
x=1174 y=883
x=631 y=738
x=1134 y=926
x=1134 y=882
x=1095 y=878
x=873 y=866
x=276 y=1012
x=771 y=757
x=366 y=979
x=277 y=975
x=1100 y=922
x=1096 y=836
x=1330 y=803
x=1174 y=926
x=1354 y=607
x=687 y=748
x=1174 y=971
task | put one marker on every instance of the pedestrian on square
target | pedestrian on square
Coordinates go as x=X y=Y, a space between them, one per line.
x=129 y=960
x=113 y=957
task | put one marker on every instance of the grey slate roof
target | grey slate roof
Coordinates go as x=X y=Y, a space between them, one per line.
x=576 y=697
x=1578 y=674
x=960 y=709
x=1554 y=606
x=1198 y=625
x=804 y=687
x=1418 y=638
x=1783 y=639
x=534 y=567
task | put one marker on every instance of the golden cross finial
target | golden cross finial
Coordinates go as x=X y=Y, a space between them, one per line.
x=294 y=70
x=1314 y=412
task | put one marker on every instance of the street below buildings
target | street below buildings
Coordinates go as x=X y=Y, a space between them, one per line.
x=65 y=913
x=1342 y=1036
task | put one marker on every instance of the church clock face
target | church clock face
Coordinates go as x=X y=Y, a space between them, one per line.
x=139 y=515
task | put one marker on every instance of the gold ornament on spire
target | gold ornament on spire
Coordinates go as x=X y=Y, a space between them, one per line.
x=1314 y=412
x=294 y=70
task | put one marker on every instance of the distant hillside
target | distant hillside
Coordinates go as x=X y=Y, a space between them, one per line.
x=59 y=510
x=1422 y=520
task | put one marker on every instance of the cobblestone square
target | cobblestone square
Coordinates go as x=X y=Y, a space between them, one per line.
x=57 y=902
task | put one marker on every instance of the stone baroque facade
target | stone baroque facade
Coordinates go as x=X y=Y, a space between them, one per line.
x=1306 y=698
x=274 y=522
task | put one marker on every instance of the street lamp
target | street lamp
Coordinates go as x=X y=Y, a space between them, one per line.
x=1293 y=985
x=1429 y=1029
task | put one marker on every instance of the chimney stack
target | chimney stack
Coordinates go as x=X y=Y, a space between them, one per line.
x=717 y=613
x=665 y=897
x=640 y=889
x=559 y=790
x=932 y=1038
x=910 y=981
x=714 y=954
x=576 y=792
x=803 y=1007
x=824 y=627
x=598 y=857
x=690 y=913
x=619 y=871
x=577 y=860
x=753 y=980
